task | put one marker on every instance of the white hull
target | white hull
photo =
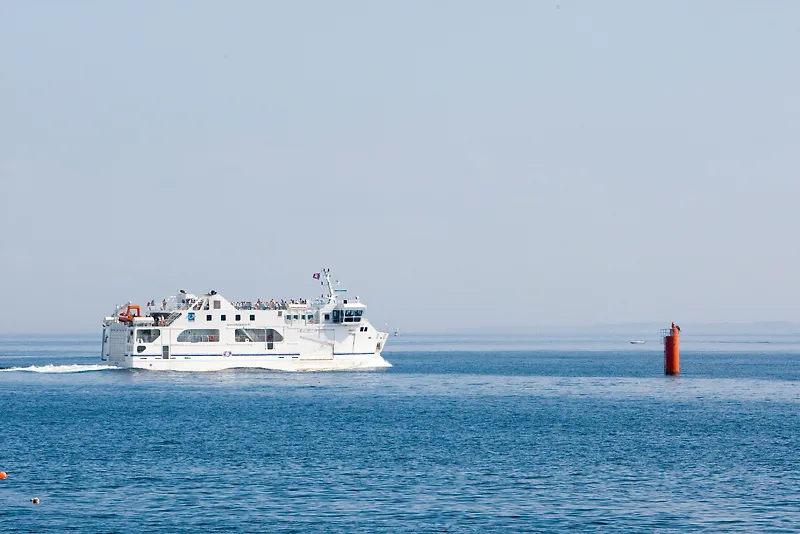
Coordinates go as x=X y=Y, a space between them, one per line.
x=274 y=363
x=305 y=348
x=210 y=333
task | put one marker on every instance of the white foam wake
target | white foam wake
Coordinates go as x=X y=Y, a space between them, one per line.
x=59 y=368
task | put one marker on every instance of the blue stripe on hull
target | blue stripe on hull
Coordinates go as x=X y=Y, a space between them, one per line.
x=231 y=356
x=257 y=354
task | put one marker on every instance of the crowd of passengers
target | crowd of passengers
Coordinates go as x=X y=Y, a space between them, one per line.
x=268 y=305
x=272 y=304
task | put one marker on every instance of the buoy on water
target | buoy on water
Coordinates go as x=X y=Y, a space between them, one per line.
x=672 y=358
x=35 y=500
x=3 y=475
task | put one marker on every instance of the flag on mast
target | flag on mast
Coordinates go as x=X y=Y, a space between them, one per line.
x=316 y=276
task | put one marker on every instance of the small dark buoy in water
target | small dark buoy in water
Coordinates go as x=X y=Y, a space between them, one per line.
x=3 y=475
x=35 y=500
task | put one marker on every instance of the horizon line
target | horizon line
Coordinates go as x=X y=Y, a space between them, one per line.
x=446 y=330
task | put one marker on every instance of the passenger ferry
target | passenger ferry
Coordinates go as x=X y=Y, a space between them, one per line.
x=185 y=332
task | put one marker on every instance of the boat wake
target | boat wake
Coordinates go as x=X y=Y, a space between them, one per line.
x=58 y=369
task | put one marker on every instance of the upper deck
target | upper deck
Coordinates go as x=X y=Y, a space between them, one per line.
x=333 y=308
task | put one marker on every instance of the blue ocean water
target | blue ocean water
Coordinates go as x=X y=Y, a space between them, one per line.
x=514 y=433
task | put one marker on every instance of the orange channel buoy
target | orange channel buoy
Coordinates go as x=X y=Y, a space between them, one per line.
x=672 y=351
x=3 y=475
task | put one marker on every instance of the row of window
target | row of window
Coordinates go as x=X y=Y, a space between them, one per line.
x=304 y=317
x=224 y=317
x=238 y=316
x=242 y=335
x=347 y=316
x=199 y=335
x=339 y=316
x=147 y=335
x=211 y=335
x=257 y=335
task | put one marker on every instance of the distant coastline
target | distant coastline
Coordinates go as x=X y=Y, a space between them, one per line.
x=704 y=328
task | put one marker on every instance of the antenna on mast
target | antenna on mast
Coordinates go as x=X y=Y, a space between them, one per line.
x=331 y=294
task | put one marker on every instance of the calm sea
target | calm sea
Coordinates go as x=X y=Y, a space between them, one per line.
x=518 y=433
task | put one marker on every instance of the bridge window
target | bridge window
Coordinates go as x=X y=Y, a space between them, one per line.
x=222 y=317
x=238 y=317
x=353 y=316
x=216 y=305
x=199 y=335
x=148 y=335
x=252 y=317
x=208 y=317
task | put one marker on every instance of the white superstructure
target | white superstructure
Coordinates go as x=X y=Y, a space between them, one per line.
x=185 y=332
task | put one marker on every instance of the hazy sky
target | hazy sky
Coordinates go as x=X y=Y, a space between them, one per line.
x=456 y=164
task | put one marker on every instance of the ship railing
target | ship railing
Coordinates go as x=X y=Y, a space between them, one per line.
x=175 y=306
x=172 y=317
x=247 y=305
